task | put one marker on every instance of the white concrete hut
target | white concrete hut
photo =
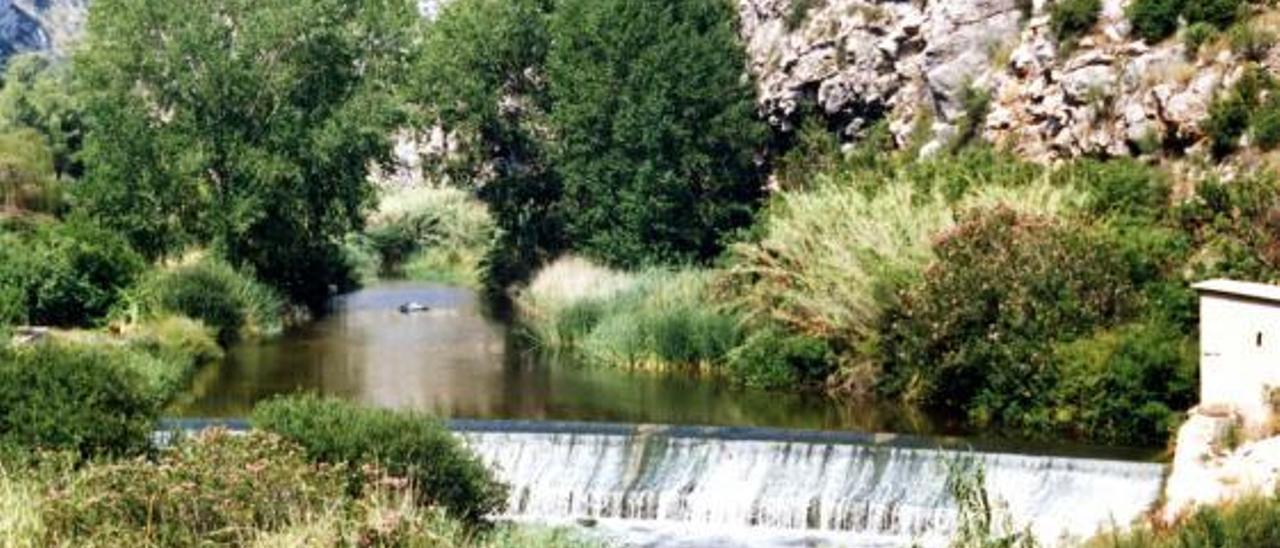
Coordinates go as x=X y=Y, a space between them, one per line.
x=1240 y=348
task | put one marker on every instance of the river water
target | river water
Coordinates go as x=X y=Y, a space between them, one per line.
x=739 y=468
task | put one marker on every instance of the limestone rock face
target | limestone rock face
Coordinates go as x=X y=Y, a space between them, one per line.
x=1207 y=471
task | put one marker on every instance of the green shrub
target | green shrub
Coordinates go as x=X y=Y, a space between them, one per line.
x=1129 y=385
x=799 y=12
x=1197 y=35
x=977 y=105
x=27 y=178
x=1122 y=187
x=1155 y=20
x=226 y=300
x=1227 y=123
x=405 y=444
x=431 y=234
x=169 y=350
x=773 y=359
x=69 y=274
x=1071 y=19
x=1252 y=42
x=1266 y=125
x=1251 y=521
x=1220 y=13
x=973 y=335
x=90 y=400
x=215 y=489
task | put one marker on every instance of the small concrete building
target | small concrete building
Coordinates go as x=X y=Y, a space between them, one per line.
x=1240 y=348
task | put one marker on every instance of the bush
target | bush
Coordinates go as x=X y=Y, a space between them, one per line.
x=230 y=302
x=1129 y=385
x=68 y=274
x=1070 y=19
x=169 y=350
x=1118 y=188
x=1197 y=35
x=1251 y=521
x=405 y=444
x=1266 y=125
x=217 y=488
x=1227 y=123
x=90 y=400
x=1155 y=20
x=1252 y=42
x=1219 y=13
x=773 y=359
x=1003 y=288
x=799 y=12
x=27 y=178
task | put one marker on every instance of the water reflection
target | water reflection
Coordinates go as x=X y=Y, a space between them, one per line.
x=456 y=362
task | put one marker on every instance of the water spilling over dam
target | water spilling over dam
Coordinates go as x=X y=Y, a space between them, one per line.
x=859 y=489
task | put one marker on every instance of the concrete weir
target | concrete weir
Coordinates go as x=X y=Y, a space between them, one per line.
x=682 y=482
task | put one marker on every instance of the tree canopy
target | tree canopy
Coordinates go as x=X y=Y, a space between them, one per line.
x=246 y=126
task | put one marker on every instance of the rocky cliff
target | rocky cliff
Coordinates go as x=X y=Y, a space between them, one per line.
x=858 y=61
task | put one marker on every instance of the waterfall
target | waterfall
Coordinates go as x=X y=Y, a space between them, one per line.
x=849 y=487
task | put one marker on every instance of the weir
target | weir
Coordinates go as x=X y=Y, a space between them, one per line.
x=851 y=488
x=889 y=488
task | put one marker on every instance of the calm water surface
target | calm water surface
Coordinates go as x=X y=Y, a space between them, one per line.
x=457 y=362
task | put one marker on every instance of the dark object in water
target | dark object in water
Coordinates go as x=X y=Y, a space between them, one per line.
x=414 y=308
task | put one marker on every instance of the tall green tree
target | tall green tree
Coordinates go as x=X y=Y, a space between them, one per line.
x=37 y=95
x=481 y=77
x=246 y=126
x=656 y=128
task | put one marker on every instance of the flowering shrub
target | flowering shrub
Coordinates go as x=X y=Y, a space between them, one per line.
x=973 y=335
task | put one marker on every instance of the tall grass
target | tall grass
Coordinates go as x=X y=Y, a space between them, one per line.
x=431 y=234
x=231 y=302
x=654 y=320
x=20 y=523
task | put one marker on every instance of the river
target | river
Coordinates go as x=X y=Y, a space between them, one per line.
x=729 y=467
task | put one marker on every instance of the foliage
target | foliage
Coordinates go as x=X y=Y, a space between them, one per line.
x=1250 y=521
x=68 y=274
x=218 y=488
x=405 y=444
x=982 y=522
x=246 y=127
x=1071 y=19
x=209 y=290
x=771 y=358
x=1003 y=287
x=431 y=234
x=1253 y=42
x=1220 y=13
x=977 y=104
x=1227 y=123
x=654 y=320
x=167 y=351
x=655 y=125
x=1155 y=20
x=816 y=150
x=38 y=95
x=1118 y=188
x=1266 y=125
x=799 y=12
x=1197 y=35
x=478 y=56
x=27 y=179
x=89 y=400
x=1128 y=385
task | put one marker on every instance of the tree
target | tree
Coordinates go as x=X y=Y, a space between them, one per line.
x=37 y=95
x=246 y=126
x=656 y=128
x=481 y=78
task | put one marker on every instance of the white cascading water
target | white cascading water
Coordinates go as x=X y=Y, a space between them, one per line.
x=884 y=494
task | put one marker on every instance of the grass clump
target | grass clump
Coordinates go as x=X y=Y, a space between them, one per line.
x=1251 y=521
x=1071 y=19
x=409 y=445
x=1155 y=20
x=654 y=320
x=230 y=302
x=438 y=234
x=1232 y=114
